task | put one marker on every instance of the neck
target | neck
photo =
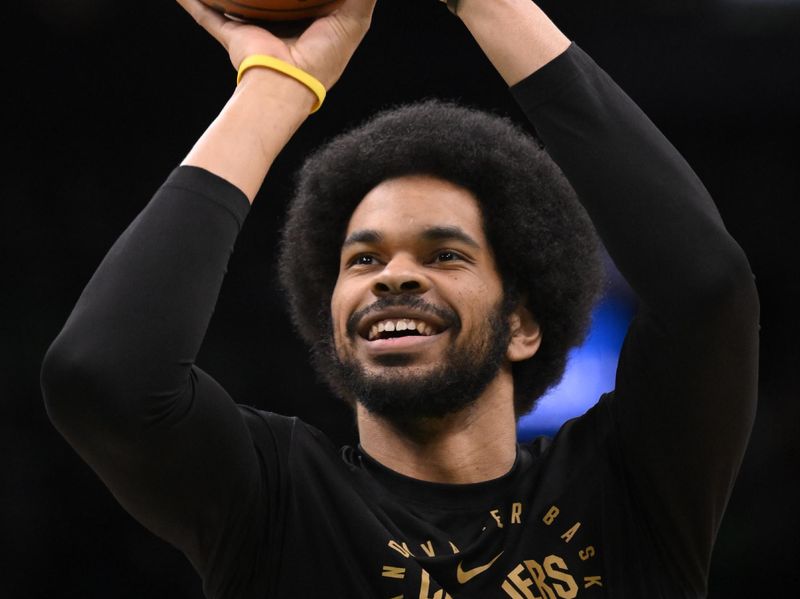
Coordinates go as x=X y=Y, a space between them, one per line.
x=473 y=445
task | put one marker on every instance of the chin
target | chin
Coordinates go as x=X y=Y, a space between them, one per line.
x=399 y=361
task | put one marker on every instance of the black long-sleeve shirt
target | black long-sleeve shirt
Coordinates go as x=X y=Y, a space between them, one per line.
x=624 y=501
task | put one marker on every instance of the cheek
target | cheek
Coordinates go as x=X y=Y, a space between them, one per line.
x=477 y=293
x=481 y=307
x=339 y=316
x=491 y=286
x=337 y=300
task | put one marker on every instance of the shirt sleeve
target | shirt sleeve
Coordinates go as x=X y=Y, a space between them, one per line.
x=686 y=385
x=120 y=383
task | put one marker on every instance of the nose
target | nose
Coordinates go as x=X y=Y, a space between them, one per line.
x=400 y=275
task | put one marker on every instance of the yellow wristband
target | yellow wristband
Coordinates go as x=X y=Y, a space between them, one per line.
x=270 y=62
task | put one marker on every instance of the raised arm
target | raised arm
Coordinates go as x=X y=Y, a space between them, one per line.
x=687 y=378
x=268 y=106
x=119 y=380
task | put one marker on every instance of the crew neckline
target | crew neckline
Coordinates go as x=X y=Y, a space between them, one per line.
x=466 y=495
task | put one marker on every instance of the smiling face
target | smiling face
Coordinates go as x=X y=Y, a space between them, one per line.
x=419 y=327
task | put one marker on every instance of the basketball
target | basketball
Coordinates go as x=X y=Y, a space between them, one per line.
x=273 y=10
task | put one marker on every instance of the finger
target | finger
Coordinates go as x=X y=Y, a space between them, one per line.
x=208 y=19
x=350 y=21
x=357 y=9
x=354 y=17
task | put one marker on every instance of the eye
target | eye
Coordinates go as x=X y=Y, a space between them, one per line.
x=447 y=256
x=362 y=260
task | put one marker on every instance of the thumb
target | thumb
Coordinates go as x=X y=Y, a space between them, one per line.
x=357 y=9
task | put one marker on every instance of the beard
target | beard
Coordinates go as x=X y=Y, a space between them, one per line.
x=403 y=393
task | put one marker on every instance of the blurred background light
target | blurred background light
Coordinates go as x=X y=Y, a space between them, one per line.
x=591 y=368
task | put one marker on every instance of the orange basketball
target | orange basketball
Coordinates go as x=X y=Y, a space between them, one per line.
x=274 y=10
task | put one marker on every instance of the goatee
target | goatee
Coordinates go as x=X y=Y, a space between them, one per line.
x=402 y=393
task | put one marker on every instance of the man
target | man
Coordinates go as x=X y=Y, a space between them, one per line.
x=438 y=499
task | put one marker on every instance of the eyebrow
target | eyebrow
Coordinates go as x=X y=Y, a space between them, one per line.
x=362 y=236
x=442 y=233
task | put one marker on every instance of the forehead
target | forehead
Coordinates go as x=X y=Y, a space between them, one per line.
x=417 y=202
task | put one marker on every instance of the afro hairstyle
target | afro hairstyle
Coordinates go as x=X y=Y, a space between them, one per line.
x=546 y=249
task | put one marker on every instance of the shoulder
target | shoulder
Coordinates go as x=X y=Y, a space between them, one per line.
x=285 y=435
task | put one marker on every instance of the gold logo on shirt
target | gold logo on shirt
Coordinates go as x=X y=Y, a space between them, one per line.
x=465 y=576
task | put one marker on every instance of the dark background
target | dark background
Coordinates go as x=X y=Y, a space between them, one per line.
x=103 y=98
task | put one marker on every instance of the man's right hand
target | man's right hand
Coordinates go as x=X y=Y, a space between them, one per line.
x=267 y=107
x=322 y=50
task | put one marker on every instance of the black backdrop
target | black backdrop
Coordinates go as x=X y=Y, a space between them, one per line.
x=102 y=99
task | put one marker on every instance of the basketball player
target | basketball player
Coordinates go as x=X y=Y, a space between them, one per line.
x=440 y=266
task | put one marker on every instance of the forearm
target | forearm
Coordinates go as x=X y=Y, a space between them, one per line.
x=267 y=106
x=148 y=305
x=516 y=35
x=240 y=145
x=654 y=215
x=639 y=191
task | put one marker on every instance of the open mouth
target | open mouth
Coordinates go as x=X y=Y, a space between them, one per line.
x=392 y=328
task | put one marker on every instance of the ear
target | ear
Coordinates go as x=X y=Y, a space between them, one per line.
x=526 y=336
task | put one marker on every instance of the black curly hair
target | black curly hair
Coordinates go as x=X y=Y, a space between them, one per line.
x=545 y=246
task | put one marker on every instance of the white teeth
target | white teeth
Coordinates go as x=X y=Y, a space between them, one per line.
x=403 y=324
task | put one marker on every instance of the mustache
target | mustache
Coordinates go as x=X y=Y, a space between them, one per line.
x=446 y=315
